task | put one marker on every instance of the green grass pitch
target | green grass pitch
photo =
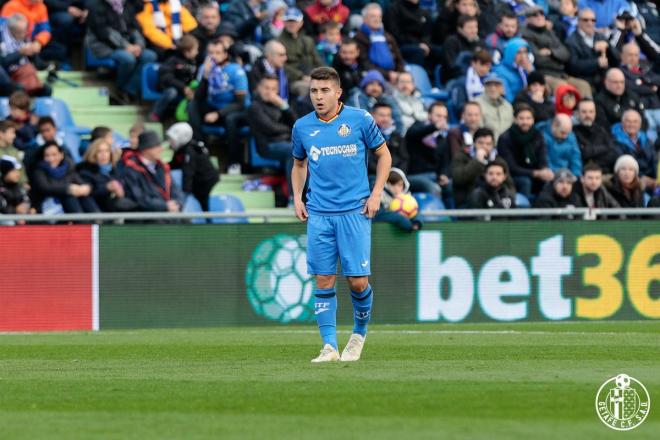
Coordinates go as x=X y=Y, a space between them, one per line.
x=467 y=381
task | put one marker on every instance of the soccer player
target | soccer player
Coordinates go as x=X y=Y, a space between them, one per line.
x=332 y=144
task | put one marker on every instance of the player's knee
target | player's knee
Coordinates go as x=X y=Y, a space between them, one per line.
x=358 y=284
x=325 y=281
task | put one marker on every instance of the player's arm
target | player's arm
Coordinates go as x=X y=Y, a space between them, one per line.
x=298 y=177
x=382 y=172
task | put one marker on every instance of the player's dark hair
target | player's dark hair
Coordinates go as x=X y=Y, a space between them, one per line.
x=99 y=132
x=325 y=74
x=591 y=166
x=483 y=132
x=46 y=120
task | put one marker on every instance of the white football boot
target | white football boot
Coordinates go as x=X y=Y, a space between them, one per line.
x=353 y=348
x=328 y=354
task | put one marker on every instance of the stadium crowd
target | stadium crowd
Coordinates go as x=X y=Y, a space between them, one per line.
x=547 y=103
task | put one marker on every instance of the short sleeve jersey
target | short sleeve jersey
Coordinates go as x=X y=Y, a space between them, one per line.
x=337 y=158
x=224 y=83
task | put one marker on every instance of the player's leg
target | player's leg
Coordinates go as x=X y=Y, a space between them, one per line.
x=354 y=243
x=322 y=262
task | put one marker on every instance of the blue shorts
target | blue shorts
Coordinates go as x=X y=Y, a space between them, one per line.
x=343 y=236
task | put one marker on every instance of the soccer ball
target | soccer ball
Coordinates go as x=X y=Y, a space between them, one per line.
x=405 y=204
x=278 y=286
x=622 y=381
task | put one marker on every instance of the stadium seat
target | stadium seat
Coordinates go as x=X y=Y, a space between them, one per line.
x=226 y=203
x=52 y=206
x=4 y=108
x=59 y=111
x=429 y=202
x=72 y=143
x=219 y=130
x=150 y=82
x=258 y=161
x=177 y=178
x=522 y=201
x=191 y=204
x=423 y=84
x=92 y=62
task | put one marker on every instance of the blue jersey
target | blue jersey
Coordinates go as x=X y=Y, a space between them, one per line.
x=224 y=83
x=337 y=153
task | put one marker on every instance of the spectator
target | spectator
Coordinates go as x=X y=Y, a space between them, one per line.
x=515 y=67
x=479 y=69
x=301 y=53
x=14 y=53
x=494 y=192
x=523 y=148
x=496 y=112
x=55 y=176
x=249 y=18
x=537 y=96
x=48 y=132
x=507 y=28
x=458 y=48
x=467 y=167
x=625 y=185
x=98 y=169
x=378 y=48
x=565 y=22
x=591 y=192
x=460 y=138
x=350 y=66
x=560 y=193
x=429 y=153
x=591 y=54
x=550 y=54
x=522 y=7
x=276 y=10
x=7 y=136
x=648 y=10
x=208 y=27
x=445 y=24
x=221 y=100
x=329 y=42
x=67 y=19
x=629 y=28
x=411 y=26
x=382 y=114
x=271 y=120
x=100 y=132
x=642 y=81
x=633 y=141
x=566 y=99
x=112 y=31
x=615 y=99
x=409 y=101
x=606 y=11
x=272 y=63
x=396 y=185
x=325 y=11
x=596 y=143
x=372 y=89
x=194 y=160
x=175 y=77
x=14 y=197
x=147 y=180
x=38 y=31
x=21 y=115
x=164 y=22
x=561 y=145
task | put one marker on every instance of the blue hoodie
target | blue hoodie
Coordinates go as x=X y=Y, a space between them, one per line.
x=645 y=156
x=561 y=154
x=507 y=70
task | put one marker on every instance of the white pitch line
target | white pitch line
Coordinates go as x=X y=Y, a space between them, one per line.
x=457 y=332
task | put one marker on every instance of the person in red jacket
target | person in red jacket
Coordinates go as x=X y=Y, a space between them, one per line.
x=324 y=11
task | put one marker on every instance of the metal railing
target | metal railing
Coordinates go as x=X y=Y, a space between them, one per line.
x=268 y=215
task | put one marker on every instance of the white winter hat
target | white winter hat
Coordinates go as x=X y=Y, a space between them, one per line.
x=179 y=134
x=628 y=160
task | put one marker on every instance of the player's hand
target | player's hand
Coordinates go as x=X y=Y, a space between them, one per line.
x=372 y=206
x=301 y=210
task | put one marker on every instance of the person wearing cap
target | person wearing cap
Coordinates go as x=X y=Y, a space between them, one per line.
x=249 y=18
x=496 y=112
x=537 y=96
x=561 y=145
x=459 y=47
x=550 y=54
x=590 y=190
x=301 y=52
x=515 y=67
x=595 y=142
x=373 y=89
x=194 y=160
x=14 y=198
x=632 y=140
x=559 y=194
x=147 y=180
x=625 y=186
x=378 y=48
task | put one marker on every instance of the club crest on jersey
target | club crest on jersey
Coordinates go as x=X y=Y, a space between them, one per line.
x=344 y=130
x=314 y=153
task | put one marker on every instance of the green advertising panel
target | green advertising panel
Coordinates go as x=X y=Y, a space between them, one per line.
x=247 y=274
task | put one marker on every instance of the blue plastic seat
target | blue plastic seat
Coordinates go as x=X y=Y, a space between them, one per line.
x=4 y=108
x=191 y=204
x=220 y=131
x=59 y=111
x=226 y=203
x=423 y=84
x=177 y=178
x=429 y=202
x=258 y=161
x=150 y=82
x=92 y=62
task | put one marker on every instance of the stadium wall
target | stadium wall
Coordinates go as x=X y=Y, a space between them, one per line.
x=137 y=276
